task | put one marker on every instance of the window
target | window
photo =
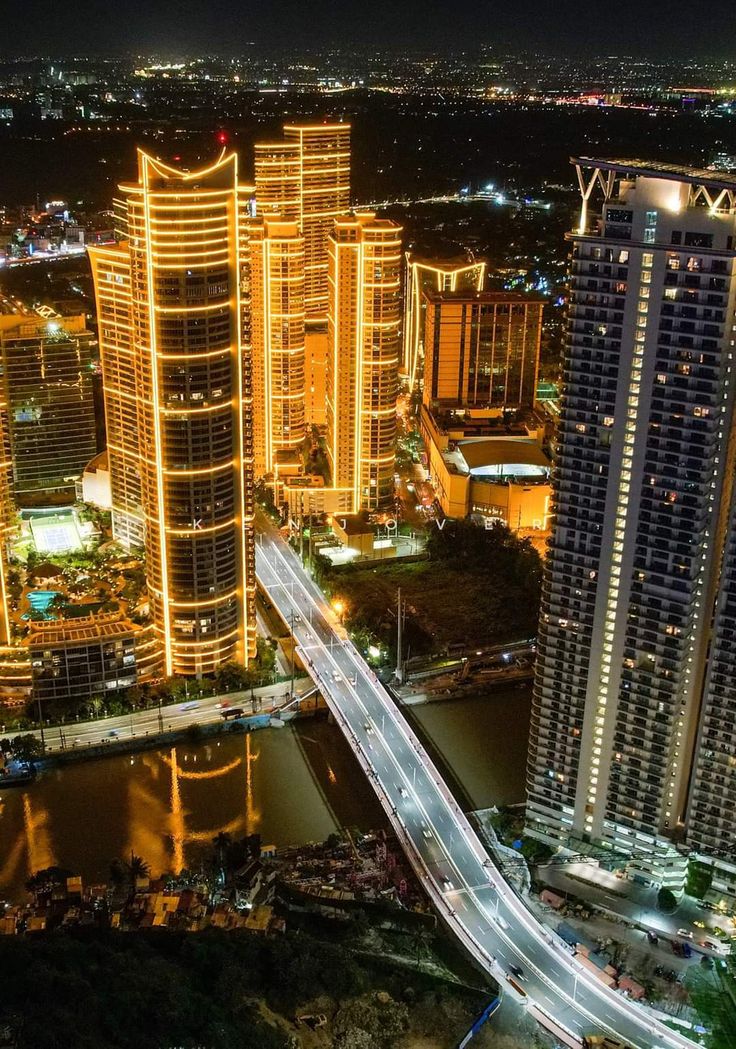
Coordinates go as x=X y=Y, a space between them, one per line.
x=694 y=264
x=676 y=236
x=619 y=215
x=649 y=235
x=699 y=240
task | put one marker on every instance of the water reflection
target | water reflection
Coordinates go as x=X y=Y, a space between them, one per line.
x=290 y=785
x=164 y=805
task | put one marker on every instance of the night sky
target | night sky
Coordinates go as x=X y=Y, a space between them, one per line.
x=658 y=29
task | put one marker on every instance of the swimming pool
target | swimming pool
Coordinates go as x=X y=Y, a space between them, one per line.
x=39 y=600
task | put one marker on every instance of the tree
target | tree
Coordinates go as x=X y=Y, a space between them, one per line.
x=420 y=941
x=666 y=900
x=232 y=677
x=44 y=881
x=26 y=748
x=699 y=879
x=118 y=874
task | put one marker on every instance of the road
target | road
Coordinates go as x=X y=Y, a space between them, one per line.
x=473 y=899
x=175 y=716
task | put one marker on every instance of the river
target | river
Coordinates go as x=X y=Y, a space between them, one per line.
x=290 y=785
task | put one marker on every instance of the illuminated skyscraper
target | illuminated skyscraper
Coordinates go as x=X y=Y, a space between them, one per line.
x=421 y=277
x=277 y=338
x=278 y=179
x=642 y=488
x=178 y=406
x=111 y=269
x=306 y=177
x=481 y=348
x=363 y=357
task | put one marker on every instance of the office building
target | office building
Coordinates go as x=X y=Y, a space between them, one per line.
x=481 y=348
x=179 y=406
x=47 y=374
x=306 y=178
x=363 y=358
x=277 y=340
x=641 y=494
x=422 y=276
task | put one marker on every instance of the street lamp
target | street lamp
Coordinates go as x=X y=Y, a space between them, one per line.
x=339 y=607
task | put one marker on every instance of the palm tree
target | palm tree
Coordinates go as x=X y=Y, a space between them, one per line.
x=420 y=940
x=222 y=843
x=137 y=868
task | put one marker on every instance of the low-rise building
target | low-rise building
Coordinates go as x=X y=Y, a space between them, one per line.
x=491 y=465
x=90 y=656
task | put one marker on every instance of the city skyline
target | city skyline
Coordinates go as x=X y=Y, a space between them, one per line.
x=368 y=451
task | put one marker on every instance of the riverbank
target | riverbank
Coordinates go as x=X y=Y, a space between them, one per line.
x=444 y=689
x=195 y=732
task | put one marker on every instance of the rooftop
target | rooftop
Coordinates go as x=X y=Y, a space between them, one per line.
x=487 y=297
x=80 y=631
x=659 y=169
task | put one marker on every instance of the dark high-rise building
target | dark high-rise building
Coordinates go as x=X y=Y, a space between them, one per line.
x=481 y=349
x=47 y=374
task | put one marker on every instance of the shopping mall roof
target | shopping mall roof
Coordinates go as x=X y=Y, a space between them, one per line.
x=499 y=452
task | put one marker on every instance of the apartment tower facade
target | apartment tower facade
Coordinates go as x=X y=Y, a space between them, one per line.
x=306 y=178
x=277 y=339
x=178 y=406
x=47 y=375
x=363 y=357
x=627 y=697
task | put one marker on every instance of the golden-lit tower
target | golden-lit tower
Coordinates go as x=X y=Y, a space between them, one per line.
x=278 y=179
x=112 y=277
x=8 y=516
x=427 y=275
x=186 y=374
x=363 y=356
x=306 y=177
x=277 y=338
